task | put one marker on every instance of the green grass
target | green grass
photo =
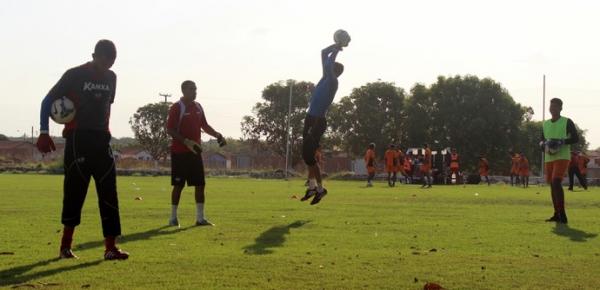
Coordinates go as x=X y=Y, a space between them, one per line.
x=375 y=238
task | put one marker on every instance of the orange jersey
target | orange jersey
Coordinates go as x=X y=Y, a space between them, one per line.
x=370 y=158
x=524 y=167
x=319 y=158
x=427 y=157
x=514 y=169
x=407 y=165
x=399 y=160
x=454 y=161
x=582 y=162
x=390 y=157
x=484 y=167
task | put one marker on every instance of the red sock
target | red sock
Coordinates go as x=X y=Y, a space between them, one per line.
x=67 y=238
x=109 y=243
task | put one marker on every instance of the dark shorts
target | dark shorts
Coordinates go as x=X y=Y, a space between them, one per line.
x=187 y=167
x=314 y=128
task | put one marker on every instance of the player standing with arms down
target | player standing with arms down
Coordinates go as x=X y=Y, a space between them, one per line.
x=370 y=163
x=391 y=164
x=426 y=167
x=88 y=154
x=557 y=136
x=315 y=123
x=484 y=168
x=184 y=124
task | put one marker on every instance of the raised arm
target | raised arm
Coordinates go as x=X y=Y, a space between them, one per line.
x=328 y=56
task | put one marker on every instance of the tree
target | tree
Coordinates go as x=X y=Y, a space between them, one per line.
x=149 y=125
x=471 y=114
x=269 y=120
x=3 y=137
x=372 y=113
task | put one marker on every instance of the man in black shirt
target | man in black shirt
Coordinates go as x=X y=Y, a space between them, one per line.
x=91 y=87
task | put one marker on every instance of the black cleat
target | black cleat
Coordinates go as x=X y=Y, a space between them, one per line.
x=554 y=218
x=318 y=197
x=309 y=193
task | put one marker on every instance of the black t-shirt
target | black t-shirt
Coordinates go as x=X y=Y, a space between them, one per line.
x=92 y=93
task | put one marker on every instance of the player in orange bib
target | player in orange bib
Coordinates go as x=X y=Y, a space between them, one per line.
x=582 y=163
x=454 y=166
x=484 y=168
x=514 y=168
x=524 y=170
x=407 y=166
x=391 y=164
x=370 y=162
x=426 y=167
x=399 y=160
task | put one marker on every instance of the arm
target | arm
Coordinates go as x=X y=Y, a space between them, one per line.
x=328 y=56
x=573 y=137
x=208 y=129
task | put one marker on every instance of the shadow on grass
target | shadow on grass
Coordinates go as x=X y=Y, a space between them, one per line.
x=574 y=234
x=132 y=237
x=15 y=275
x=273 y=237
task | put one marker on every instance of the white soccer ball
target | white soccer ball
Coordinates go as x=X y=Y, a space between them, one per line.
x=62 y=111
x=341 y=37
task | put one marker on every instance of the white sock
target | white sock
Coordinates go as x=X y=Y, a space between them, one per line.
x=312 y=183
x=320 y=187
x=199 y=212
x=173 y=211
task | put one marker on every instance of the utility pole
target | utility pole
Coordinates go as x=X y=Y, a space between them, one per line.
x=165 y=96
x=543 y=120
x=287 y=146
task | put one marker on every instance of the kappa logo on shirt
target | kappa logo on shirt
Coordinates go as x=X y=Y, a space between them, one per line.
x=89 y=86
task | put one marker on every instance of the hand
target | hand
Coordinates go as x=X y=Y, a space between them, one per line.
x=221 y=140
x=193 y=146
x=45 y=144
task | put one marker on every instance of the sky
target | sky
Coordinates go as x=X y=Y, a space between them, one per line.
x=234 y=49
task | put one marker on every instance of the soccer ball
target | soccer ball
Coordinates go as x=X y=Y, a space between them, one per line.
x=553 y=146
x=62 y=111
x=341 y=37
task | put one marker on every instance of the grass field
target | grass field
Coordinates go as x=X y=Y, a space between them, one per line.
x=473 y=237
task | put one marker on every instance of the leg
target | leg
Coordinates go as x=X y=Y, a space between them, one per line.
x=560 y=200
x=176 y=194
x=108 y=201
x=580 y=178
x=571 y=179
x=487 y=179
x=76 y=182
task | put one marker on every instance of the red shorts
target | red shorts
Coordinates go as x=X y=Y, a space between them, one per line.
x=370 y=169
x=425 y=168
x=555 y=169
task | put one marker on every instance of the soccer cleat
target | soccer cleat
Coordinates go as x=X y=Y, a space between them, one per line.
x=318 y=197
x=173 y=222
x=204 y=222
x=115 y=254
x=66 y=253
x=554 y=218
x=309 y=193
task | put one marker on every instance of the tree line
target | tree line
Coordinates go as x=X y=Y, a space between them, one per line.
x=475 y=116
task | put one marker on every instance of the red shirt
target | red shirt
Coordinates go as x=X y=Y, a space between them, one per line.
x=190 y=125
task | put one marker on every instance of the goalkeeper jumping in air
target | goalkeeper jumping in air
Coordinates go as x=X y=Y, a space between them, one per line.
x=315 y=123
